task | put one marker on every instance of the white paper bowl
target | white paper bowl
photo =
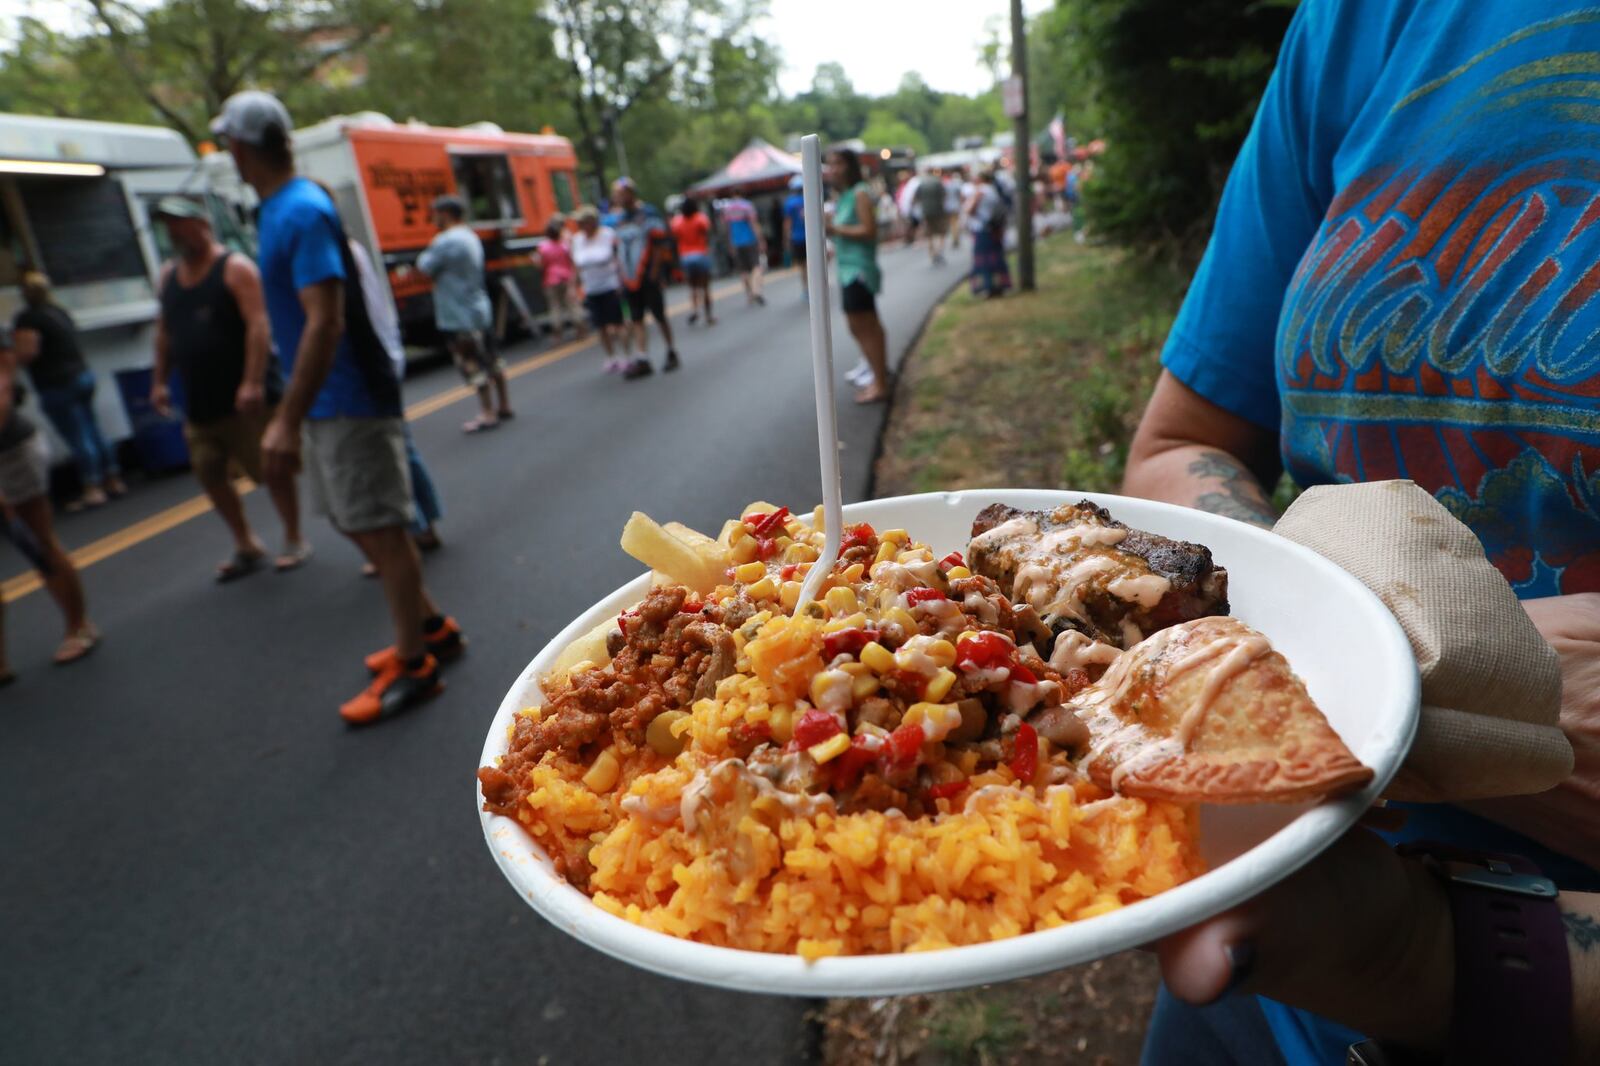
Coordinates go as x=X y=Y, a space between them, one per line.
x=1336 y=634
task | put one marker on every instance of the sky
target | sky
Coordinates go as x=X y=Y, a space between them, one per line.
x=938 y=39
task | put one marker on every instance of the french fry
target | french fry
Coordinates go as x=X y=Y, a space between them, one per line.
x=725 y=538
x=692 y=537
x=591 y=647
x=699 y=567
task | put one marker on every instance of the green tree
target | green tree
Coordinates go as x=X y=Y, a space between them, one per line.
x=884 y=130
x=840 y=111
x=620 y=54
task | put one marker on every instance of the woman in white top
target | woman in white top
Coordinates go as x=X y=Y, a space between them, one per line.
x=594 y=254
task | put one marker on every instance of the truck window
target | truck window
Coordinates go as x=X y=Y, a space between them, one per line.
x=485 y=183
x=82 y=229
x=13 y=254
x=561 y=181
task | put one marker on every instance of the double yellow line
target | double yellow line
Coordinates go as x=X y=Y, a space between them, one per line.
x=15 y=588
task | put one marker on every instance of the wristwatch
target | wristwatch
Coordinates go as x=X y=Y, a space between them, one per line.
x=1513 y=977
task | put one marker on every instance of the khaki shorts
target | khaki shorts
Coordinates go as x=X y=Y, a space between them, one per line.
x=25 y=470
x=358 y=472
x=473 y=357
x=236 y=437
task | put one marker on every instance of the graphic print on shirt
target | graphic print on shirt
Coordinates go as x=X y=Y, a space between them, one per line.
x=1444 y=324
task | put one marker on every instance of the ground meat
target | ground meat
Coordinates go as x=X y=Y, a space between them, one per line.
x=668 y=658
x=878 y=711
x=872 y=793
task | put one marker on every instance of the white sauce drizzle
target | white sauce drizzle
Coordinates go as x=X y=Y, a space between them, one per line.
x=697 y=793
x=1243 y=654
x=1145 y=590
x=1073 y=648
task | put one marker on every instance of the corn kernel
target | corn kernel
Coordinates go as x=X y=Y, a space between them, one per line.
x=750 y=573
x=967 y=634
x=800 y=553
x=736 y=532
x=602 y=776
x=855 y=669
x=816 y=518
x=886 y=553
x=901 y=617
x=789 y=595
x=957 y=572
x=842 y=600
x=936 y=719
x=939 y=687
x=781 y=720
x=863 y=686
x=942 y=652
x=853 y=573
x=915 y=555
x=765 y=589
x=878 y=657
x=831 y=748
x=743 y=551
x=851 y=621
x=896 y=536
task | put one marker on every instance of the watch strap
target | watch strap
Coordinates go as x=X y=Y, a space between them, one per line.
x=1513 y=976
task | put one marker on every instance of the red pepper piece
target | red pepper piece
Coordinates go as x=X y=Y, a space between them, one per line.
x=848 y=766
x=952 y=560
x=763 y=524
x=924 y=595
x=1023 y=674
x=1025 y=753
x=766 y=548
x=788 y=571
x=946 y=790
x=904 y=744
x=815 y=726
x=690 y=607
x=858 y=536
x=985 y=652
x=847 y=642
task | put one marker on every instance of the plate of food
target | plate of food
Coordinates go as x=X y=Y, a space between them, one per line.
x=1016 y=730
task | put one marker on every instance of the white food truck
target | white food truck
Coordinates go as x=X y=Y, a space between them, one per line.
x=75 y=202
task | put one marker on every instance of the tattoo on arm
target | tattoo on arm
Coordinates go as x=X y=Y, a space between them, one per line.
x=1240 y=497
x=1582 y=930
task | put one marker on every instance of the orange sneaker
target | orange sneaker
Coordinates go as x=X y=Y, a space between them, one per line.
x=393 y=690
x=445 y=644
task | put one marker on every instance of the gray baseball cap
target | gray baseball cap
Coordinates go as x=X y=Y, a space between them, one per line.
x=180 y=207
x=247 y=116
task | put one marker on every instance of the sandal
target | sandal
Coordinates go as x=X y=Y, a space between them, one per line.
x=292 y=557
x=76 y=645
x=428 y=540
x=478 y=425
x=505 y=414
x=871 y=394
x=242 y=564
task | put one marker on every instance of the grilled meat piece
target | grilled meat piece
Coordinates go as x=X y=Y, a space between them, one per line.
x=1082 y=570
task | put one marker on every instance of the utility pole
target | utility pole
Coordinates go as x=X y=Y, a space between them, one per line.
x=1022 y=148
x=613 y=130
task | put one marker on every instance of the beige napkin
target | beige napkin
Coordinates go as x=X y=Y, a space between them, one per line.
x=1491 y=686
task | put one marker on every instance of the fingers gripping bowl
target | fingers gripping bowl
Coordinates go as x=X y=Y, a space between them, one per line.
x=1073 y=890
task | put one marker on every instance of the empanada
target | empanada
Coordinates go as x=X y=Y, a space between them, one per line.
x=1206 y=711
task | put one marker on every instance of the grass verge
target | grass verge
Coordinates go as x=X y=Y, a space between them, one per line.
x=1042 y=391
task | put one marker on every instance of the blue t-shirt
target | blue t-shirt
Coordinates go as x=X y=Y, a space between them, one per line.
x=1402 y=283
x=1404 y=271
x=794 y=209
x=300 y=236
x=740 y=214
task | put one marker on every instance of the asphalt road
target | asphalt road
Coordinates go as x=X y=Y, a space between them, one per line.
x=202 y=864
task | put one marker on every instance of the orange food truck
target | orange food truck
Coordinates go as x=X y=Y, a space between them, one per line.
x=385 y=175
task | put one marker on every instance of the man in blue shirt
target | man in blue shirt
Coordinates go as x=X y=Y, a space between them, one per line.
x=794 y=232
x=1402 y=283
x=340 y=416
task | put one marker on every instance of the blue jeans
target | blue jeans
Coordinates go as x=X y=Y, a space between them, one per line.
x=429 y=507
x=70 y=409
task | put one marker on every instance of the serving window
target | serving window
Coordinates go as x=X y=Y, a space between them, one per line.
x=82 y=230
x=561 y=182
x=484 y=180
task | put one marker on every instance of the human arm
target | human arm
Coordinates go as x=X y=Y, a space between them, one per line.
x=323 y=302
x=865 y=228
x=161 y=372
x=26 y=344
x=1189 y=451
x=8 y=380
x=1365 y=938
x=244 y=282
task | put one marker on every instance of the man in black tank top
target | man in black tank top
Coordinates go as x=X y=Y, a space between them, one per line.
x=213 y=332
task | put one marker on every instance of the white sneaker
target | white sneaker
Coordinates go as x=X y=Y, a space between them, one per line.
x=860 y=374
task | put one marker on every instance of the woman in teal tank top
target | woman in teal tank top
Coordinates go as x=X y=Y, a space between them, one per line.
x=854 y=229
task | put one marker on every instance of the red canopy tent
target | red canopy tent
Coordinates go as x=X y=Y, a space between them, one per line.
x=759 y=167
